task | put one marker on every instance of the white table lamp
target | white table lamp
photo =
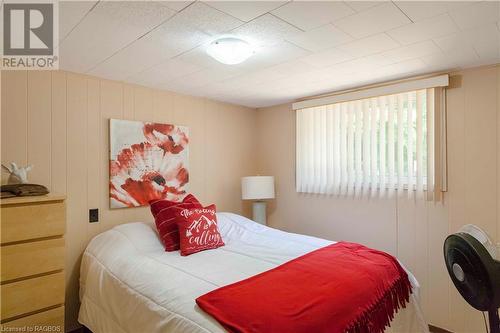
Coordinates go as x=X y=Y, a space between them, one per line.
x=258 y=188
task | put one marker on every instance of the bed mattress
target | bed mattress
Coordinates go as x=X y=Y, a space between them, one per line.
x=128 y=283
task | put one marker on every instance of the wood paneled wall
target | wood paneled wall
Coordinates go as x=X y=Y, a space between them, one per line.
x=414 y=231
x=58 y=121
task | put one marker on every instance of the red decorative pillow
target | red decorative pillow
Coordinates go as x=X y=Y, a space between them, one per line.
x=164 y=212
x=198 y=229
x=157 y=205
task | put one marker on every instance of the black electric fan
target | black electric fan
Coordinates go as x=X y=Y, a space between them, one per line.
x=474 y=267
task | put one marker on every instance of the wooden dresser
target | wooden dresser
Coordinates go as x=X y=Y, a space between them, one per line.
x=32 y=264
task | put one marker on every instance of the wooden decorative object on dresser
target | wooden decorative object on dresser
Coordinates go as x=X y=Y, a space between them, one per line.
x=32 y=264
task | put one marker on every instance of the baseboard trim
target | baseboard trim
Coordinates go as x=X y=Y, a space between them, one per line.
x=435 y=329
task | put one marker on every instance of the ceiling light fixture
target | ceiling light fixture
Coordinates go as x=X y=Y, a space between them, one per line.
x=230 y=50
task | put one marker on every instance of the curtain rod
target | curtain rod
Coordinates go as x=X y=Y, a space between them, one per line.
x=379 y=90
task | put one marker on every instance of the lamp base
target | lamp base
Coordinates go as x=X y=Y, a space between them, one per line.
x=259 y=212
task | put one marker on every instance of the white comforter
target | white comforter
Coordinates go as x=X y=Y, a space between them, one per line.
x=128 y=283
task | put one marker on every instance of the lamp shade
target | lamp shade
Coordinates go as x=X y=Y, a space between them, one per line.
x=257 y=187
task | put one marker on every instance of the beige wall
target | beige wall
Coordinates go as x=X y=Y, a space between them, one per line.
x=58 y=121
x=414 y=231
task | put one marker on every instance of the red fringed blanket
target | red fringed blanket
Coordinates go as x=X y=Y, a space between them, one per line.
x=343 y=287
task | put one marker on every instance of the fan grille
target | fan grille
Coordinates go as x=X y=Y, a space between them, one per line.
x=467 y=270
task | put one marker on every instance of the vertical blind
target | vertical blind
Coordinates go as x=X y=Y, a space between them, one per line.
x=372 y=146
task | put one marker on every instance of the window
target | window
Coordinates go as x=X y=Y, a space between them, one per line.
x=369 y=146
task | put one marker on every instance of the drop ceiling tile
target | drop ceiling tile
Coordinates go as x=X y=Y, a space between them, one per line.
x=308 y=77
x=272 y=55
x=287 y=94
x=291 y=68
x=205 y=77
x=454 y=58
x=372 y=21
x=369 y=45
x=452 y=41
x=176 y=5
x=229 y=86
x=197 y=84
x=243 y=91
x=164 y=72
x=179 y=88
x=245 y=10
x=337 y=83
x=426 y=29
x=109 y=27
x=263 y=90
x=264 y=57
x=352 y=66
x=285 y=84
x=252 y=102
x=258 y=78
x=316 y=88
x=133 y=59
x=201 y=17
x=326 y=86
x=218 y=91
x=488 y=51
x=321 y=38
x=419 y=10
x=408 y=52
x=283 y=52
x=485 y=41
x=359 y=6
x=327 y=58
x=311 y=14
x=241 y=85
x=476 y=14
x=379 y=60
x=134 y=13
x=477 y=37
x=71 y=13
x=199 y=57
x=403 y=68
x=483 y=62
x=265 y=30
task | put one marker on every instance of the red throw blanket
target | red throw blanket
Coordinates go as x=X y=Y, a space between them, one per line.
x=343 y=287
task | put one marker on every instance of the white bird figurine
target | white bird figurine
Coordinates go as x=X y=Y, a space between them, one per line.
x=17 y=175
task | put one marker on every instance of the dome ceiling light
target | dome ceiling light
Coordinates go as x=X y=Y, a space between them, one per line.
x=230 y=50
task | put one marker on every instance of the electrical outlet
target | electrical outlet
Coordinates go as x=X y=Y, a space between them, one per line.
x=93 y=215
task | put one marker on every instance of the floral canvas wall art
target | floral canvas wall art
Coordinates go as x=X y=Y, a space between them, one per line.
x=148 y=161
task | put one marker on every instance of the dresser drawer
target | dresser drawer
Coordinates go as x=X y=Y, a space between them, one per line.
x=26 y=259
x=47 y=321
x=30 y=295
x=24 y=222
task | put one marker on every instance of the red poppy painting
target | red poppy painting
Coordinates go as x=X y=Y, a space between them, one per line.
x=148 y=161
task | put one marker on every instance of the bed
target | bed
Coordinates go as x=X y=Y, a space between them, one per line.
x=128 y=283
